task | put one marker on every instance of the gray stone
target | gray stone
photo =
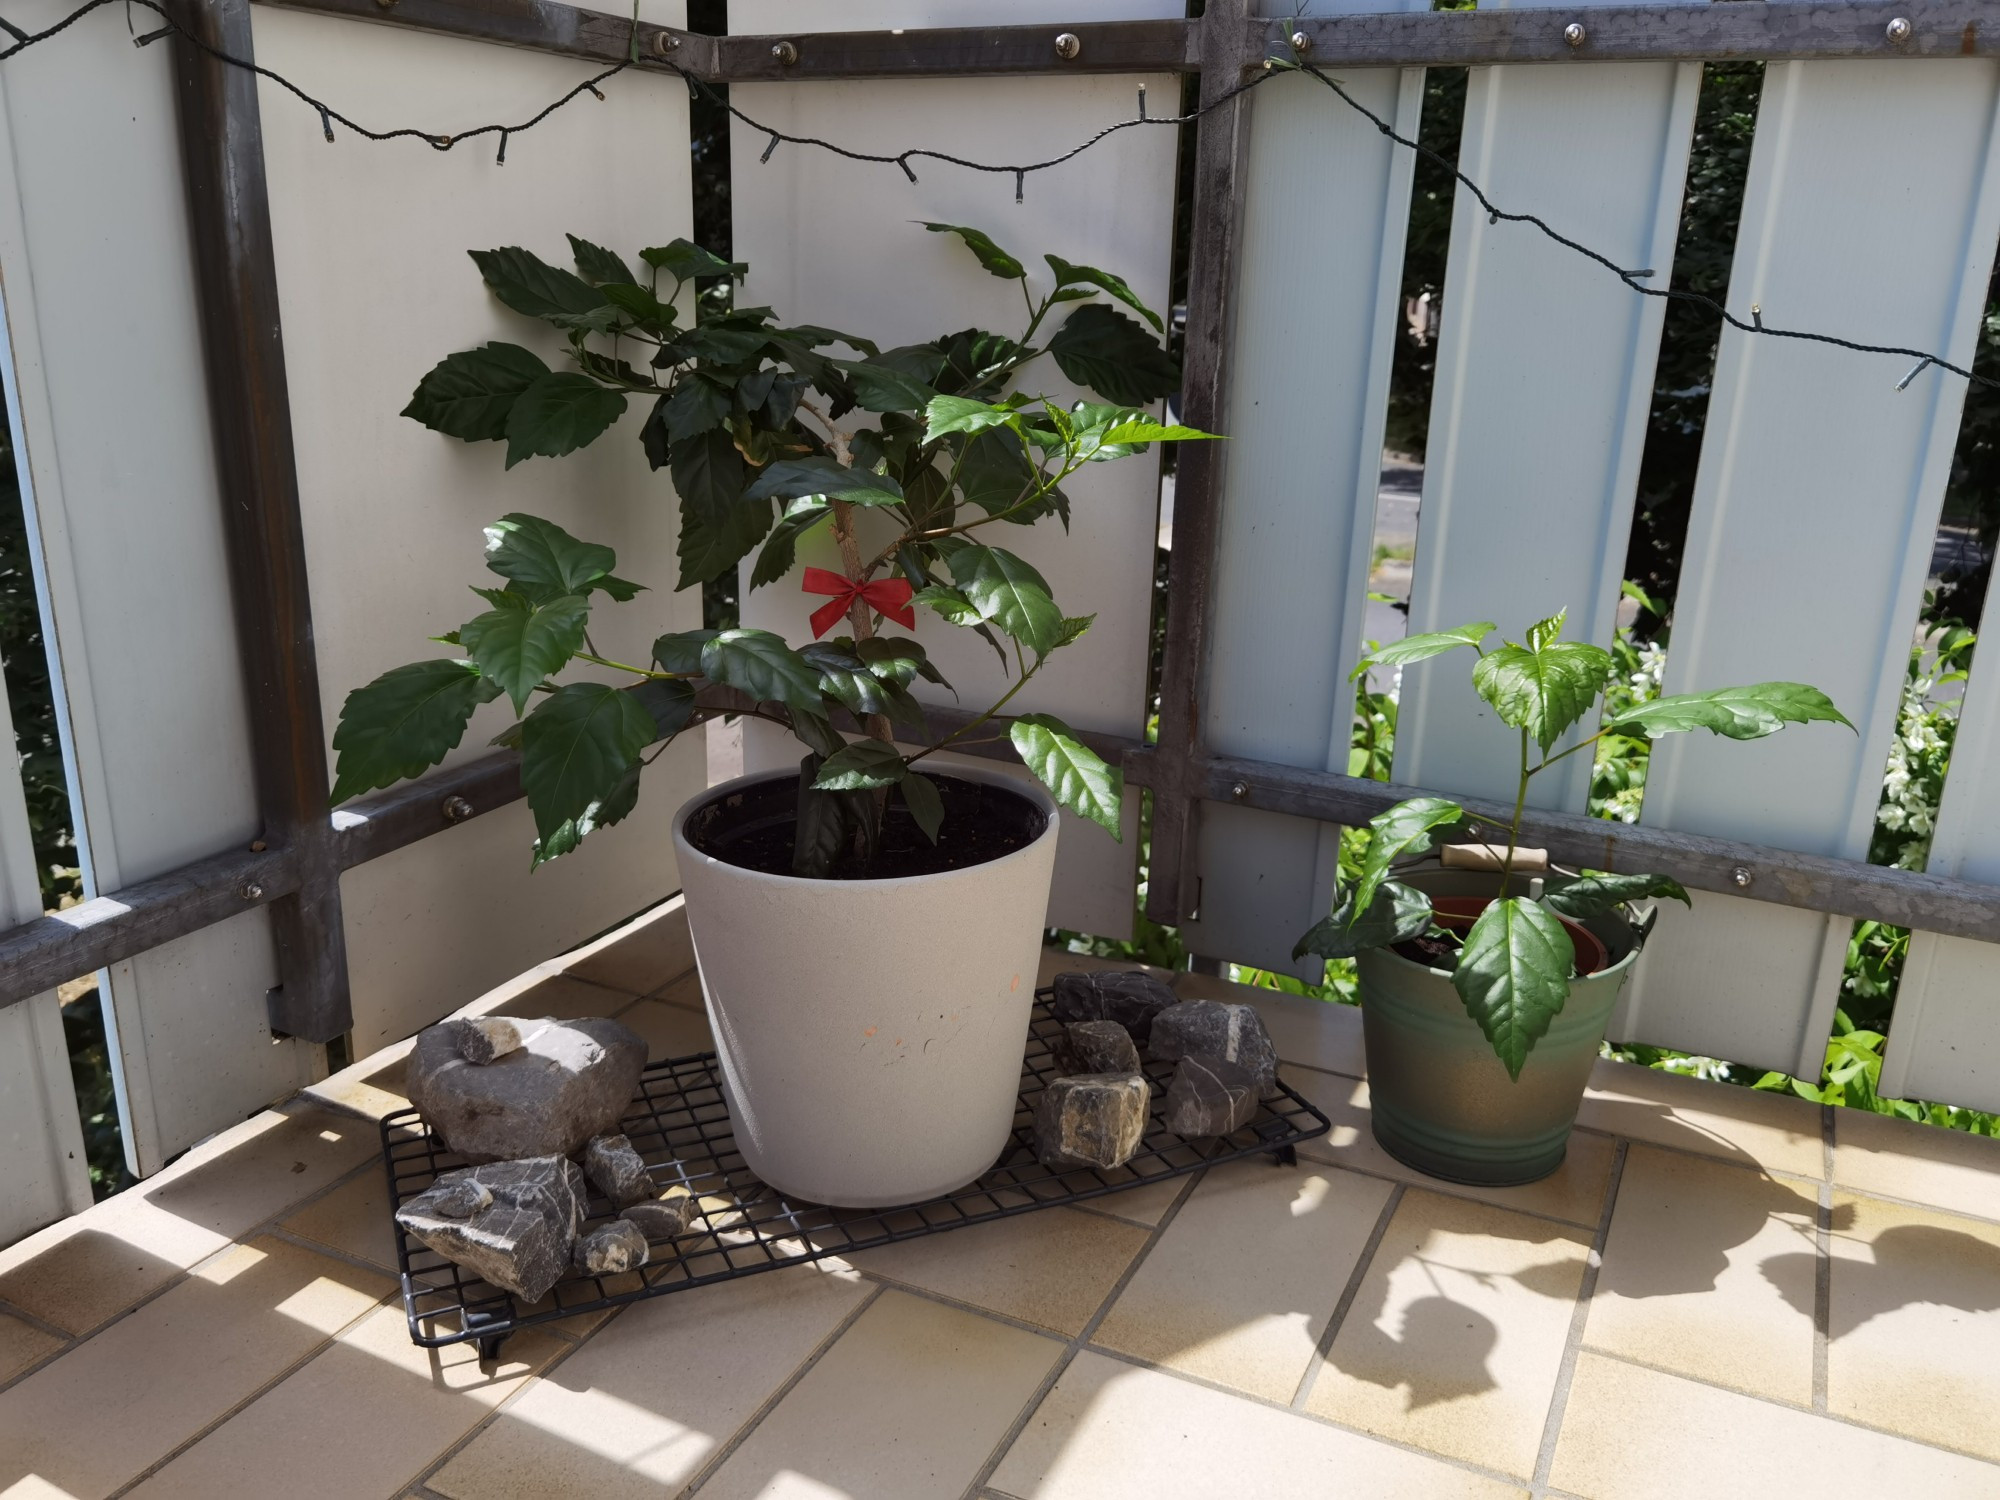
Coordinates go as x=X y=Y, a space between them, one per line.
x=1094 y=1121
x=1099 y=1047
x=566 y=1082
x=1234 y=1033
x=610 y=1248
x=483 y=1038
x=1210 y=1096
x=1128 y=996
x=520 y=1241
x=664 y=1217
x=619 y=1172
x=458 y=1200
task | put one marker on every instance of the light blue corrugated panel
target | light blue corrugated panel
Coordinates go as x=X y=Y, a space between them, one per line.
x=1945 y=1044
x=1319 y=269
x=1544 y=378
x=1871 y=211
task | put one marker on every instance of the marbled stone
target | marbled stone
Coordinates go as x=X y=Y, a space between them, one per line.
x=1098 y=1047
x=664 y=1217
x=483 y=1038
x=1210 y=1096
x=1093 y=1121
x=520 y=1241
x=1128 y=996
x=619 y=1172
x=566 y=1082
x=610 y=1248
x=1234 y=1033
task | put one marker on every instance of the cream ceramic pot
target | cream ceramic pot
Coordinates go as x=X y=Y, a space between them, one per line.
x=870 y=1032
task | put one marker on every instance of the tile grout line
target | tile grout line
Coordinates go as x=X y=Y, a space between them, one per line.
x=1074 y=1346
x=40 y=1325
x=248 y=1401
x=1404 y=1445
x=1344 y=1304
x=1823 y=1263
x=1794 y=1406
x=457 y=1445
x=727 y=1451
x=1579 y=1316
x=1439 y=1187
x=925 y=1294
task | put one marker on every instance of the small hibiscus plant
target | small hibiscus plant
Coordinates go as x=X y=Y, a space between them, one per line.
x=910 y=457
x=1512 y=967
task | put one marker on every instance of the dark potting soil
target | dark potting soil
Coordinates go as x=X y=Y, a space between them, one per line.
x=752 y=828
x=1430 y=950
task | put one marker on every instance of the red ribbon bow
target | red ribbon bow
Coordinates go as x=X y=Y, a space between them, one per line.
x=889 y=597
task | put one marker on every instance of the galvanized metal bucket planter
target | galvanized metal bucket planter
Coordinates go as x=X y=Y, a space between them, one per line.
x=1442 y=1102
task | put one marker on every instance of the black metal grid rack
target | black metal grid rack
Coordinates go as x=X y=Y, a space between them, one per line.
x=681 y=1126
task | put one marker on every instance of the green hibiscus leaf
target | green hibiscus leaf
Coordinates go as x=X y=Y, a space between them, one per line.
x=609 y=809
x=1423 y=646
x=1589 y=895
x=1075 y=775
x=1009 y=593
x=697 y=405
x=920 y=796
x=793 y=478
x=684 y=260
x=1513 y=976
x=403 y=723
x=544 y=560
x=469 y=396
x=672 y=705
x=718 y=525
x=860 y=767
x=1395 y=915
x=1543 y=691
x=1074 y=275
x=576 y=748
x=1105 y=351
x=519 y=648
x=1405 y=831
x=595 y=263
x=881 y=388
x=952 y=605
x=990 y=255
x=681 y=651
x=560 y=413
x=1740 y=713
x=642 y=307
x=529 y=284
x=781 y=549
x=762 y=665
x=947 y=414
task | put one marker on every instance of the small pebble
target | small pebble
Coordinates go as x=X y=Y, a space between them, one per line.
x=610 y=1248
x=618 y=1170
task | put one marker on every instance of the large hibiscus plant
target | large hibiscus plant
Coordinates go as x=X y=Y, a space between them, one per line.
x=911 y=457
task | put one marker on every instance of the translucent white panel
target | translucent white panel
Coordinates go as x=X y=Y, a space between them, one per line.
x=1319 y=264
x=376 y=288
x=1871 y=211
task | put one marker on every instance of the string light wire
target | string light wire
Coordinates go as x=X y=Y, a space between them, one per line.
x=1273 y=68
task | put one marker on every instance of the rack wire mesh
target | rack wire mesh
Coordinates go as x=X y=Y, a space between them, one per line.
x=680 y=1125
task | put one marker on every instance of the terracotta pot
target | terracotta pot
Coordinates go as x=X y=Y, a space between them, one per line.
x=870 y=1031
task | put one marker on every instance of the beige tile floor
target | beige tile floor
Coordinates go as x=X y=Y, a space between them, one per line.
x=1721 y=1293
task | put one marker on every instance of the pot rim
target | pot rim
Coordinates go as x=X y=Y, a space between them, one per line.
x=1033 y=791
x=1639 y=935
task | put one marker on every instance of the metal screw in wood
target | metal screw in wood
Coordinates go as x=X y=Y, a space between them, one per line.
x=250 y=891
x=665 y=42
x=1068 y=45
x=456 y=809
x=785 y=52
x=1741 y=875
x=1239 y=791
x=1898 y=31
x=1301 y=43
x=1574 y=33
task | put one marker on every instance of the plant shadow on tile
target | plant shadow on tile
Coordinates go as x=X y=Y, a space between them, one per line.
x=1905 y=1273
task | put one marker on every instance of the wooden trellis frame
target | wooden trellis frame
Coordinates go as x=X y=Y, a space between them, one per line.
x=295 y=865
